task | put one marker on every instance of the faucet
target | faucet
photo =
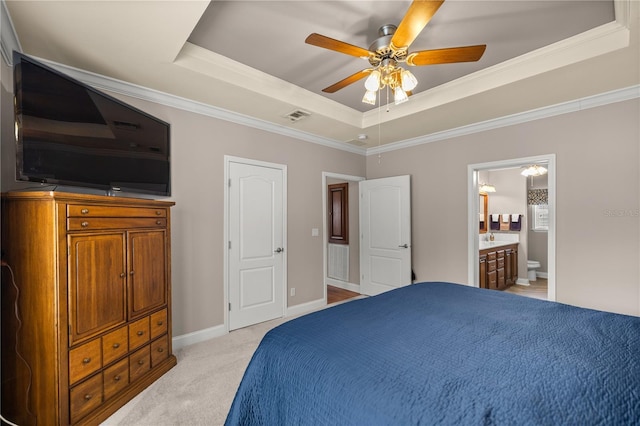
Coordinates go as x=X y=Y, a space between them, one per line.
x=491 y=237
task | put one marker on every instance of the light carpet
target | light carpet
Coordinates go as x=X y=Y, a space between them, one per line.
x=200 y=389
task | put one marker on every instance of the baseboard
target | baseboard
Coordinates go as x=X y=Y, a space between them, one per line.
x=544 y=275
x=181 y=341
x=305 y=308
x=522 y=281
x=344 y=285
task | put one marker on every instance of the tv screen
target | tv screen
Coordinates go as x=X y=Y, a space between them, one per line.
x=68 y=133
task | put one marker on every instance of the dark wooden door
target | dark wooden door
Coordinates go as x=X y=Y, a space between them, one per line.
x=339 y=213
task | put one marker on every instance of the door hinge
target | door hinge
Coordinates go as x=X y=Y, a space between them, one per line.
x=229 y=306
x=229 y=182
x=229 y=244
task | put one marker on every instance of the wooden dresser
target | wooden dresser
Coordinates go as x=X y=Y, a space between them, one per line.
x=94 y=300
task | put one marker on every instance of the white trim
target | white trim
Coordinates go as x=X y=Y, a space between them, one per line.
x=325 y=236
x=8 y=39
x=304 y=308
x=602 y=99
x=343 y=285
x=228 y=159
x=179 y=342
x=128 y=89
x=472 y=205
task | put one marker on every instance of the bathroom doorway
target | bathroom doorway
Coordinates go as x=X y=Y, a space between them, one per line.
x=500 y=170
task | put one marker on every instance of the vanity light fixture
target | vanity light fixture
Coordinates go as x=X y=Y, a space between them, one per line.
x=534 y=170
x=487 y=187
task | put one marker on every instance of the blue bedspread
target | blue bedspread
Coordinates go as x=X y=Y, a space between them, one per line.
x=441 y=353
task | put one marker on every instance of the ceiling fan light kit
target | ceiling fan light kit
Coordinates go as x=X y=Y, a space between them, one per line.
x=392 y=47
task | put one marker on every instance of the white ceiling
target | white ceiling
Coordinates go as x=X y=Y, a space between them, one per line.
x=249 y=57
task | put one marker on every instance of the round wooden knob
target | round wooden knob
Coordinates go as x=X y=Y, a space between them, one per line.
x=140 y=333
x=160 y=322
x=84 y=224
x=158 y=222
x=88 y=396
x=117 y=378
x=158 y=213
x=84 y=211
x=116 y=345
x=86 y=360
x=141 y=361
x=160 y=349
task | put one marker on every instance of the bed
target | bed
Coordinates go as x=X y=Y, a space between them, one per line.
x=443 y=353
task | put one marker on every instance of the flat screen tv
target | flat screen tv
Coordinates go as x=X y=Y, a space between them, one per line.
x=69 y=134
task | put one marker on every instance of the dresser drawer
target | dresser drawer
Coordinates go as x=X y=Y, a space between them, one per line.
x=88 y=210
x=139 y=363
x=115 y=345
x=139 y=333
x=159 y=350
x=500 y=262
x=491 y=265
x=115 y=378
x=85 y=397
x=491 y=255
x=81 y=224
x=158 y=323
x=84 y=360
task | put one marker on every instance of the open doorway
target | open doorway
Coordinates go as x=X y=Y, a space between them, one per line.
x=504 y=210
x=341 y=254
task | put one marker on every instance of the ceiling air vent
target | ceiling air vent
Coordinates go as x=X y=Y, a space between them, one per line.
x=297 y=115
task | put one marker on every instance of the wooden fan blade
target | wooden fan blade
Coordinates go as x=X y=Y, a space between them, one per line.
x=417 y=17
x=347 y=81
x=446 y=56
x=337 y=45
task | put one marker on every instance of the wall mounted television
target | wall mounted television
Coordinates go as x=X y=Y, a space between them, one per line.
x=69 y=134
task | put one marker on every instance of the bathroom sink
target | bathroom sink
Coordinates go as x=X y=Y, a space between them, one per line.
x=489 y=244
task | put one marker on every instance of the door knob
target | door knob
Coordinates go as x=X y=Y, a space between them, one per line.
x=404 y=246
x=279 y=250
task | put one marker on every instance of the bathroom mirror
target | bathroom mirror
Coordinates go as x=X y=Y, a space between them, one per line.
x=482 y=214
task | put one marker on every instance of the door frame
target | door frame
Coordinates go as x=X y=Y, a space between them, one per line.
x=325 y=233
x=228 y=159
x=472 y=215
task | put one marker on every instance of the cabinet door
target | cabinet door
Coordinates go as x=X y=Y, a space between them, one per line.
x=97 y=296
x=147 y=271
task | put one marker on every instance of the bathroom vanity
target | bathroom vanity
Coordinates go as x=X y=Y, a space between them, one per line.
x=498 y=264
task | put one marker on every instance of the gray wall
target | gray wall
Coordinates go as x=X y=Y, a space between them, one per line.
x=597 y=226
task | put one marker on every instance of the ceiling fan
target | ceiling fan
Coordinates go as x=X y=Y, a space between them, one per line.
x=391 y=48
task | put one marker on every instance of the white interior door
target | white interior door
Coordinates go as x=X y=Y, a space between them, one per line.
x=385 y=231
x=256 y=244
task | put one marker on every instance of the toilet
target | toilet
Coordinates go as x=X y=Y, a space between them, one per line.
x=532 y=265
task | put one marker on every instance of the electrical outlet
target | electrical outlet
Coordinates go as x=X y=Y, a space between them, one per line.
x=293 y=291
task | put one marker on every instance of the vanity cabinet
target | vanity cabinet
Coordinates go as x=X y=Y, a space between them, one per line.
x=93 y=274
x=498 y=267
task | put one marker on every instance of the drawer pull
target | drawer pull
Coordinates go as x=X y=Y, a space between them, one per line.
x=116 y=345
x=122 y=274
x=84 y=211
x=140 y=361
x=160 y=322
x=84 y=224
x=131 y=273
x=88 y=396
x=158 y=222
x=140 y=333
x=158 y=213
x=86 y=360
x=160 y=349
x=116 y=378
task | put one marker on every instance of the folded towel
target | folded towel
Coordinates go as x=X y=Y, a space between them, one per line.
x=515 y=218
x=481 y=217
x=505 y=218
x=495 y=218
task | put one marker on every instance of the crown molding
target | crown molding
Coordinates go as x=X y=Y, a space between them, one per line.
x=602 y=99
x=8 y=38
